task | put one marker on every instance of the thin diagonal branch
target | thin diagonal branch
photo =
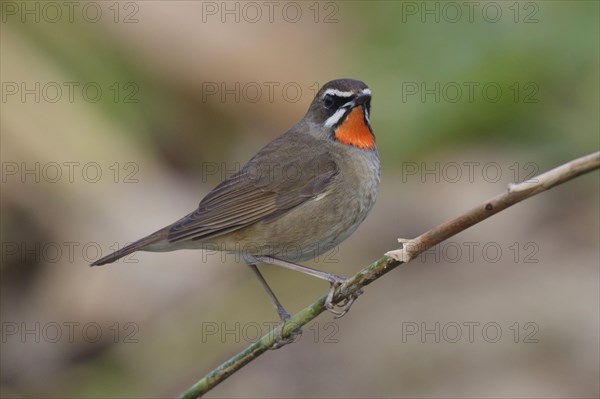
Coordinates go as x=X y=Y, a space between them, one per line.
x=409 y=250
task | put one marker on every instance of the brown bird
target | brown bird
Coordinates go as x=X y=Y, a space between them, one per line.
x=301 y=195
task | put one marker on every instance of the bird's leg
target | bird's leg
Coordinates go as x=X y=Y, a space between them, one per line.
x=283 y=314
x=334 y=280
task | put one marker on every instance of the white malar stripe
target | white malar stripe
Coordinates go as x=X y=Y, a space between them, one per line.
x=367 y=116
x=338 y=93
x=335 y=118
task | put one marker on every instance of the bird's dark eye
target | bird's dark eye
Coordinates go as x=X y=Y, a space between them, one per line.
x=328 y=101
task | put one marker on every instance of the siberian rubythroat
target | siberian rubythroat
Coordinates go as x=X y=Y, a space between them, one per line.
x=298 y=197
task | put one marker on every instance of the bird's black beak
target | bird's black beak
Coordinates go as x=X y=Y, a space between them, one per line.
x=361 y=99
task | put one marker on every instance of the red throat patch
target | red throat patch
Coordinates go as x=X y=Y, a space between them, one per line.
x=355 y=131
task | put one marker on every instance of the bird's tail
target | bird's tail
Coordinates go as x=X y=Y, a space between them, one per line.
x=131 y=248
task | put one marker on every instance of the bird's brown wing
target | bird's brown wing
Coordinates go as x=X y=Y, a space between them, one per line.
x=283 y=175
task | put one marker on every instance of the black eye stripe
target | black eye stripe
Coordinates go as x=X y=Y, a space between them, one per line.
x=335 y=102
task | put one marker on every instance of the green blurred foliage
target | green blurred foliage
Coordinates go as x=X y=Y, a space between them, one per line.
x=551 y=54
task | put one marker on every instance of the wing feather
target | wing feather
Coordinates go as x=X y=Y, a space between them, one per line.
x=263 y=190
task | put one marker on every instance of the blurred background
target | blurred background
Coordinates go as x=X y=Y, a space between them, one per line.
x=118 y=117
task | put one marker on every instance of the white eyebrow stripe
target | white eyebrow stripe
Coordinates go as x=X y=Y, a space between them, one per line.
x=338 y=93
x=335 y=118
x=366 y=91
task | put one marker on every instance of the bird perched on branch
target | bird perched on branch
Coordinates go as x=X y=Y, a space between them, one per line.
x=301 y=195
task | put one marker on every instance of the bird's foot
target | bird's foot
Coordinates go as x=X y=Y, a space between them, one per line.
x=339 y=310
x=293 y=335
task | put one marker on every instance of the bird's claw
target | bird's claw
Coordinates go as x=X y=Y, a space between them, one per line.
x=339 y=310
x=280 y=340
